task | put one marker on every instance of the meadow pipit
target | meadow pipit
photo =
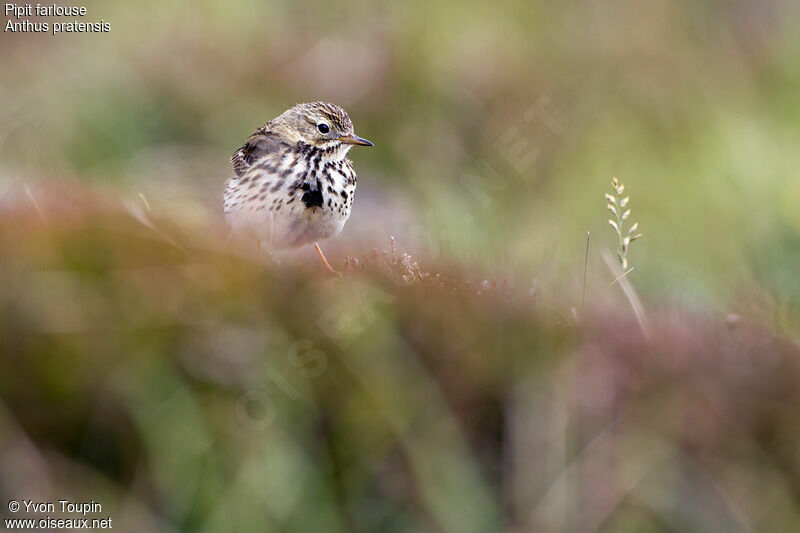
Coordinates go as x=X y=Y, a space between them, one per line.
x=293 y=183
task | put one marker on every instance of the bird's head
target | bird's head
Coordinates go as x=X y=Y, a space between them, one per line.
x=319 y=124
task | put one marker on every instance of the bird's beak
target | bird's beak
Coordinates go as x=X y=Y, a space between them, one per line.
x=354 y=139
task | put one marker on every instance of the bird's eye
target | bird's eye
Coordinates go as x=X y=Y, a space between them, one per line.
x=323 y=128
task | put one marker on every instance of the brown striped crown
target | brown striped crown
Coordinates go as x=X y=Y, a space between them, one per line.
x=337 y=116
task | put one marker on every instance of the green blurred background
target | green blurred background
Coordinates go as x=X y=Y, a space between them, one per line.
x=694 y=105
x=129 y=354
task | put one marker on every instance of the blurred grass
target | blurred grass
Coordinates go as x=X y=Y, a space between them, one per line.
x=170 y=380
x=187 y=388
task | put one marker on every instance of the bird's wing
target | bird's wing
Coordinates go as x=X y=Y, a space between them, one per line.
x=258 y=146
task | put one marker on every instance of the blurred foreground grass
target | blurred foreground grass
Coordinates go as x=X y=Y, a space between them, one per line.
x=187 y=388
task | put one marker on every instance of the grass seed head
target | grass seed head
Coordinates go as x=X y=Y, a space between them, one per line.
x=616 y=204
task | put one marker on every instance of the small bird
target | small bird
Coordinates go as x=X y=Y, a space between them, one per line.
x=293 y=183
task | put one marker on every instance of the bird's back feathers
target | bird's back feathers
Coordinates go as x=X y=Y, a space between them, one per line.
x=259 y=145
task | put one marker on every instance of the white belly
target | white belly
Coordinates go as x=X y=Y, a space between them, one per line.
x=281 y=219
